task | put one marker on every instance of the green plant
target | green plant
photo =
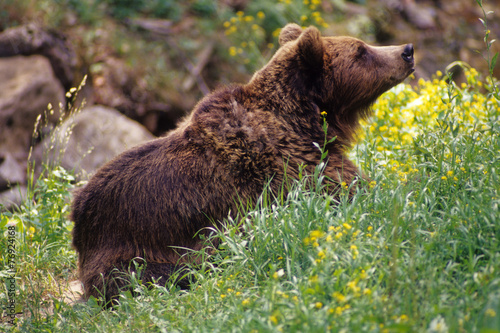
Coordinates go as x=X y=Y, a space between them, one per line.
x=254 y=34
x=416 y=251
x=35 y=236
x=490 y=59
x=124 y=9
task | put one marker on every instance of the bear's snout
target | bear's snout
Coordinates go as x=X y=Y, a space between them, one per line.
x=407 y=54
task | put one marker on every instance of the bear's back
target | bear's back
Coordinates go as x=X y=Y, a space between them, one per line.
x=176 y=185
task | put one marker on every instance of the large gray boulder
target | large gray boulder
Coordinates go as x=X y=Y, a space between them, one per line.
x=27 y=86
x=90 y=138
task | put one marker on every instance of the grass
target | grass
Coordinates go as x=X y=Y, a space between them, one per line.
x=417 y=251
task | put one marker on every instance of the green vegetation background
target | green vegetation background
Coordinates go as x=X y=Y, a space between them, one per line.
x=417 y=251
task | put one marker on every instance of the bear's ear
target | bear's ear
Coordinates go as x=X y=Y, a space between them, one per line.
x=310 y=47
x=290 y=33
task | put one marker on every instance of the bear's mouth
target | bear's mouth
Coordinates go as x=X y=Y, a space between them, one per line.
x=396 y=79
x=410 y=70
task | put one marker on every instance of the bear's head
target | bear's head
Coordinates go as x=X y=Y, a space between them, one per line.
x=340 y=75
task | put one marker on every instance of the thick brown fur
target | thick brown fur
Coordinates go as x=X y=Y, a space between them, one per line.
x=155 y=200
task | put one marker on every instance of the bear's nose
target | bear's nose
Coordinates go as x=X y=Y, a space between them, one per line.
x=407 y=54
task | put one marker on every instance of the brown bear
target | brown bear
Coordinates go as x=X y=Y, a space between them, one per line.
x=155 y=201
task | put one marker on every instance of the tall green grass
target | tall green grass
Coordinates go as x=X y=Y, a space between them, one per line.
x=418 y=250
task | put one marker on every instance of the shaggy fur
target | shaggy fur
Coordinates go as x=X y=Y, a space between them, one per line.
x=156 y=199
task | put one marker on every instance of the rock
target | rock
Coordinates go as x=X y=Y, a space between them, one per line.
x=121 y=87
x=32 y=39
x=73 y=293
x=96 y=135
x=27 y=86
x=117 y=86
x=13 y=197
x=422 y=17
x=11 y=171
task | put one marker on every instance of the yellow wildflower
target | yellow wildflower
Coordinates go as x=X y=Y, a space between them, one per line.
x=347 y=226
x=317 y=234
x=353 y=286
x=339 y=297
x=490 y=312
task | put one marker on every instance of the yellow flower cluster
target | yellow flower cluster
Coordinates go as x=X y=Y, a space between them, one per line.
x=313 y=238
x=339 y=309
x=247 y=36
x=315 y=19
x=242 y=21
x=340 y=240
x=311 y=4
x=251 y=36
x=226 y=289
x=405 y=112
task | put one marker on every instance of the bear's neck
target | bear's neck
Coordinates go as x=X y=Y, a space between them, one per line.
x=344 y=122
x=296 y=111
x=303 y=114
